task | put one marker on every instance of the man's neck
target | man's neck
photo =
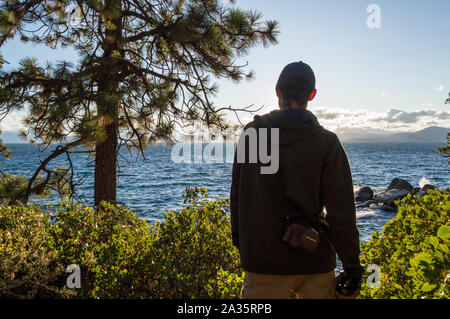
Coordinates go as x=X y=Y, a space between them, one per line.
x=294 y=106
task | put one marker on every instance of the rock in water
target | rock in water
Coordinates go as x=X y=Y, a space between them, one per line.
x=369 y=202
x=364 y=194
x=376 y=195
x=398 y=183
x=389 y=197
x=427 y=187
x=387 y=208
x=366 y=204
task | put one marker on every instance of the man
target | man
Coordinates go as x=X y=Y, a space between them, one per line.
x=313 y=174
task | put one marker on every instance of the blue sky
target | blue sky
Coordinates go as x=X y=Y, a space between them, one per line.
x=396 y=77
x=399 y=66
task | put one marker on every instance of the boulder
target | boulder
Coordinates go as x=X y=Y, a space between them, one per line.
x=378 y=195
x=386 y=208
x=368 y=203
x=389 y=197
x=364 y=194
x=391 y=203
x=398 y=183
x=427 y=187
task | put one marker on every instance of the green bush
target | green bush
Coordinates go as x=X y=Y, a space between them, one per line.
x=27 y=262
x=188 y=255
x=108 y=244
x=193 y=253
x=413 y=250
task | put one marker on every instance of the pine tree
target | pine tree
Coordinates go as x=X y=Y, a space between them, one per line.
x=145 y=68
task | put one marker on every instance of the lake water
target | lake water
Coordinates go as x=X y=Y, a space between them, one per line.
x=159 y=182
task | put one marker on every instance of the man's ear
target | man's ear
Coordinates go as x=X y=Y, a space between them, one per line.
x=313 y=95
x=277 y=89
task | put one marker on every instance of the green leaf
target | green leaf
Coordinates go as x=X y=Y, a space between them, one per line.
x=439 y=255
x=397 y=286
x=427 y=287
x=434 y=241
x=444 y=248
x=422 y=259
x=444 y=232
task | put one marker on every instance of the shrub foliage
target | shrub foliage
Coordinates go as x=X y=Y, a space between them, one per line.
x=413 y=250
x=188 y=255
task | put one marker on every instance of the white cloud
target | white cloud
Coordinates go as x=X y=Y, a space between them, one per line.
x=334 y=118
x=439 y=88
x=399 y=116
x=12 y=122
x=392 y=120
x=383 y=93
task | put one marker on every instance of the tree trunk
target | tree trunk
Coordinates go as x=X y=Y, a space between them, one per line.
x=106 y=167
x=108 y=102
x=105 y=184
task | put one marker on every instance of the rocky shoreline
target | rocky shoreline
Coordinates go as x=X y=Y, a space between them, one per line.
x=397 y=189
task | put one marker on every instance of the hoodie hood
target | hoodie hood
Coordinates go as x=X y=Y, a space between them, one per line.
x=294 y=124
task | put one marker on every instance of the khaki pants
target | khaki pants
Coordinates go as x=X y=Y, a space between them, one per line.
x=263 y=286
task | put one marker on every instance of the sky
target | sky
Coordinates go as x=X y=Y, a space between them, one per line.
x=395 y=77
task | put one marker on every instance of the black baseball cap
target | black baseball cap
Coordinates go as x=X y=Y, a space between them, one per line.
x=297 y=76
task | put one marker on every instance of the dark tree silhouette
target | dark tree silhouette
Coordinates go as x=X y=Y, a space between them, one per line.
x=144 y=68
x=446 y=149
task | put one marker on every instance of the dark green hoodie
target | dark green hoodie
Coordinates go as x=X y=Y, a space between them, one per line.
x=313 y=173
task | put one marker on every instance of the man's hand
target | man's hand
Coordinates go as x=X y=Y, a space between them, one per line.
x=346 y=287
x=352 y=296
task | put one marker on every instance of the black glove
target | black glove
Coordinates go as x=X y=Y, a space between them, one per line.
x=345 y=285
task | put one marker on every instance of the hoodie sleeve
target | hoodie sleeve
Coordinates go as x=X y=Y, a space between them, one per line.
x=338 y=197
x=234 y=203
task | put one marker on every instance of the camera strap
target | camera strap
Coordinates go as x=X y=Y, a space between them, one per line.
x=287 y=210
x=290 y=213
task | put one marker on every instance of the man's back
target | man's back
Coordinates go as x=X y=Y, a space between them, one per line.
x=313 y=173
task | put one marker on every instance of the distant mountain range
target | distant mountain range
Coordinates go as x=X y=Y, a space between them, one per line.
x=432 y=134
